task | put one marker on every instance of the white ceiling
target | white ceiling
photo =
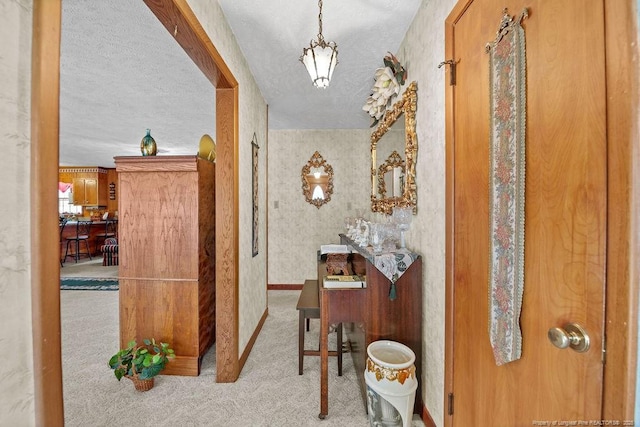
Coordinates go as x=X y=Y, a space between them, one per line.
x=122 y=72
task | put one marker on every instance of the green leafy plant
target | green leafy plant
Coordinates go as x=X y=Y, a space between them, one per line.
x=141 y=361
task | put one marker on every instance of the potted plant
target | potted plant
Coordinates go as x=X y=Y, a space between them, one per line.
x=141 y=363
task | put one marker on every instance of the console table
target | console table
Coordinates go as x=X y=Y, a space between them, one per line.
x=372 y=314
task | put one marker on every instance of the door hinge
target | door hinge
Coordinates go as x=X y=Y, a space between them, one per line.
x=450 y=404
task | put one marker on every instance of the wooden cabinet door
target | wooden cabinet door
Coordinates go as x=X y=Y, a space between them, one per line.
x=85 y=191
x=103 y=190
x=565 y=215
x=78 y=192
x=91 y=191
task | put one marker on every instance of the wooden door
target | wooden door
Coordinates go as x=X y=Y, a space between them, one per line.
x=565 y=215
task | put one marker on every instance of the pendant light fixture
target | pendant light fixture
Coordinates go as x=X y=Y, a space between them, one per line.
x=320 y=58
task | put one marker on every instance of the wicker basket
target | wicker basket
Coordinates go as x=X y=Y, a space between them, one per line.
x=142 y=385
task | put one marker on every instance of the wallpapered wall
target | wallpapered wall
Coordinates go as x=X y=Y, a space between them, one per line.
x=253 y=119
x=297 y=228
x=16 y=395
x=16 y=373
x=421 y=51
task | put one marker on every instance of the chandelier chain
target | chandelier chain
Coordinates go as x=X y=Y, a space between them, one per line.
x=320 y=58
x=320 y=38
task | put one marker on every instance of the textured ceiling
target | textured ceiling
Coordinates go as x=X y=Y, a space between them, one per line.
x=272 y=34
x=122 y=72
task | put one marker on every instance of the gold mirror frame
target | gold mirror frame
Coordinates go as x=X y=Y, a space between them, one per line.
x=393 y=161
x=407 y=106
x=316 y=161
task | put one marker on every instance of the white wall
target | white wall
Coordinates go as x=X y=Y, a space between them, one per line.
x=16 y=373
x=253 y=119
x=297 y=228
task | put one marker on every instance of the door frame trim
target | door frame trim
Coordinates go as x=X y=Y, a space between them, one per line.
x=178 y=18
x=44 y=163
x=623 y=211
x=45 y=291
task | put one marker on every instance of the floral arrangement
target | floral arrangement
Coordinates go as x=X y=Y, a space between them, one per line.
x=388 y=81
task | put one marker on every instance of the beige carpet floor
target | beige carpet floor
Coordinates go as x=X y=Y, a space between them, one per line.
x=269 y=391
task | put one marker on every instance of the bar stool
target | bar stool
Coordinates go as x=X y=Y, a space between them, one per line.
x=82 y=235
x=61 y=224
x=109 y=251
x=110 y=229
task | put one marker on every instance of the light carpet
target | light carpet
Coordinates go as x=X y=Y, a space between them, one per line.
x=269 y=391
x=89 y=268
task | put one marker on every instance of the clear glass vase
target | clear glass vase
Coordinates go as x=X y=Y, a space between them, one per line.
x=402 y=217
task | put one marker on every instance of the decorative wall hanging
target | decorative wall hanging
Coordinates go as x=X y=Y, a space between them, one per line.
x=112 y=191
x=254 y=189
x=317 y=180
x=388 y=81
x=507 y=74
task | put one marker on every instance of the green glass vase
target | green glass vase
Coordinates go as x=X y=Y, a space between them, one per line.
x=148 y=145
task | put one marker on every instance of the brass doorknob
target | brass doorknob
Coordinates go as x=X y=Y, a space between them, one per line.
x=572 y=335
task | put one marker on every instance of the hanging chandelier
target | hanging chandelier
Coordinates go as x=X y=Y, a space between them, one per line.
x=320 y=58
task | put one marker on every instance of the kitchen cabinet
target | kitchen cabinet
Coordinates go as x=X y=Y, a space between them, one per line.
x=85 y=191
x=90 y=184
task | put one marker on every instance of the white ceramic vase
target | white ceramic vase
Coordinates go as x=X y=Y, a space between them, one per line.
x=390 y=376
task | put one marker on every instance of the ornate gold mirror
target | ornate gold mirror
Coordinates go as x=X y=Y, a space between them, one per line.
x=394 y=148
x=317 y=180
x=391 y=176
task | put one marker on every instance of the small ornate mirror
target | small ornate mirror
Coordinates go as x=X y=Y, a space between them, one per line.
x=317 y=180
x=394 y=147
x=391 y=177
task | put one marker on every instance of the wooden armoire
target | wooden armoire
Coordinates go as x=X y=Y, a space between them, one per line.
x=167 y=255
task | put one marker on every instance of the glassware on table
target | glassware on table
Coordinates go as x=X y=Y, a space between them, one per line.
x=402 y=217
x=376 y=236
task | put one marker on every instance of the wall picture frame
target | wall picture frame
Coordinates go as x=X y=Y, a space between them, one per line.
x=254 y=190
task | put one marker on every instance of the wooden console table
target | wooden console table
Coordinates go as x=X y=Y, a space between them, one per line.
x=369 y=315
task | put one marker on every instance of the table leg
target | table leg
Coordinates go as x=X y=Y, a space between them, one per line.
x=324 y=355
x=339 y=349
x=301 y=341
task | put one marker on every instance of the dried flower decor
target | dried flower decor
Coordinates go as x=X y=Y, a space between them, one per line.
x=388 y=81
